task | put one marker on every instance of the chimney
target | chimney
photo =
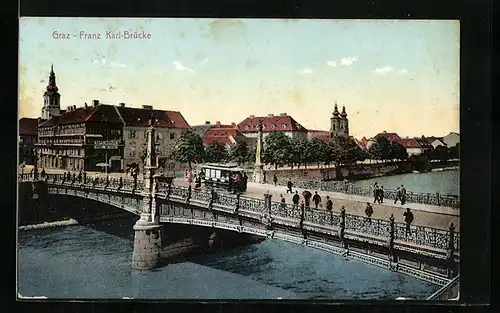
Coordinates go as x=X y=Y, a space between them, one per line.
x=74 y=107
x=122 y=105
x=282 y=114
x=86 y=105
x=270 y=115
x=233 y=124
x=207 y=122
x=147 y=107
x=252 y=116
x=68 y=109
x=217 y=123
x=95 y=102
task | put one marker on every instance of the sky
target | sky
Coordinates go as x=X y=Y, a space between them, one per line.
x=394 y=76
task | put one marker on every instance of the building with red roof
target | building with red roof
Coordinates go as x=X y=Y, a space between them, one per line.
x=388 y=136
x=412 y=146
x=28 y=133
x=67 y=141
x=226 y=135
x=271 y=123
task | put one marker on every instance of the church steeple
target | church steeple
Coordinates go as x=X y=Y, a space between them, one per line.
x=51 y=97
x=336 y=111
x=343 y=114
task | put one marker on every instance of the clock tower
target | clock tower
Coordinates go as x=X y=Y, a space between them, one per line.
x=51 y=98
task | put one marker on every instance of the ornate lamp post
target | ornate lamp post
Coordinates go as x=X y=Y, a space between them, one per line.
x=148 y=230
x=258 y=167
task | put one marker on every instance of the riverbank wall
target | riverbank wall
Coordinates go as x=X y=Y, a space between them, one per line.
x=353 y=172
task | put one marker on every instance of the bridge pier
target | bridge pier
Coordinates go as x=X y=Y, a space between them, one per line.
x=147 y=245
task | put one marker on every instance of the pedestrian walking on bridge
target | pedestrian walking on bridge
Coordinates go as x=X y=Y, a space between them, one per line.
x=289 y=185
x=329 y=204
x=316 y=199
x=283 y=201
x=369 y=212
x=376 y=192
x=408 y=219
x=398 y=195
x=275 y=179
x=381 y=195
x=296 y=199
x=403 y=195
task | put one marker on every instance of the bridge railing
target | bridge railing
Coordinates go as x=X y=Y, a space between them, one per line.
x=420 y=235
x=411 y=197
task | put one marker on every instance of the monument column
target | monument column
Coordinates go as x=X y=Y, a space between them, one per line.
x=148 y=230
x=258 y=167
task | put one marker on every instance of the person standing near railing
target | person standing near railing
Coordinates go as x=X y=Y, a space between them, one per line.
x=329 y=204
x=408 y=219
x=289 y=185
x=275 y=179
x=381 y=195
x=283 y=201
x=316 y=199
x=398 y=195
x=296 y=199
x=403 y=195
x=376 y=192
x=368 y=212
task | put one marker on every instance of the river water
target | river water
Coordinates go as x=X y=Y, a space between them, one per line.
x=444 y=182
x=94 y=262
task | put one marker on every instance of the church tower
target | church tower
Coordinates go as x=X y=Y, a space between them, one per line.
x=344 y=122
x=335 y=122
x=51 y=98
x=339 y=124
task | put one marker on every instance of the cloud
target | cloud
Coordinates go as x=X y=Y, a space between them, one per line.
x=102 y=62
x=403 y=71
x=383 y=70
x=306 y=71
x=178 y=66
x=204 y=61
x=332 y=63
x=348 y=61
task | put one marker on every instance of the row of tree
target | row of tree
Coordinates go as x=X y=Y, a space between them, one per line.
x=281 y=150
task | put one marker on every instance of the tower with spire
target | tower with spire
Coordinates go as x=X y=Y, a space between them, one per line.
x=339 y=124
x=51 y=98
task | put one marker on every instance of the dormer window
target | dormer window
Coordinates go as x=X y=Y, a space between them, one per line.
x=283 y=126
x=273 y=126
x=246 y=126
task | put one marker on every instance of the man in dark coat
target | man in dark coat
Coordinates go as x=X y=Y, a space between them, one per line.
x=289 y=185
x=275 y=179
x=403 y=195
x=307 y=198
x=329 y=204
x=296 y=199
x=381 y=194
x=316 y=199
x=408 y=219
x=375 y=194
x=369 y=212
x=398 y=195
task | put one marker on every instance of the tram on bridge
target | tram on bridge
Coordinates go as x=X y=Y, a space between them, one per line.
x=226 y=176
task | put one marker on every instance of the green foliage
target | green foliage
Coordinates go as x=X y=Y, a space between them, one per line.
x=455 y=151
x=442 y=153
x=318 y=151
x=343 y=150
x=277 y=149
x=215 y=153
x=241 y=153
x=300 y=152
x=189 y=148
x=397 y=151
x=419 y=163
x=380 y=149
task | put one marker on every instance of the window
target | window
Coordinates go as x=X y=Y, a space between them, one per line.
x=172 y=135
x=131 y=134
x=132 y=151
x=283 y=126
x=246 y=126
x=273 y=126
x=160 y=135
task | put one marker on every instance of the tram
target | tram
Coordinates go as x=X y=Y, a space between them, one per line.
x=226 y=176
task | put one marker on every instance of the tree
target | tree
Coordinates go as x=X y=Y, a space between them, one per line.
x=380 y=149
x=397 y=151
x=215 y=153
x=419 y=163
x=318 y=151
x=363 y=155
x=241 y=154
x=189 y=148
x=277 y=149
x=443 y=153
x=300 y=152
x=343 y=150
x=455 y=151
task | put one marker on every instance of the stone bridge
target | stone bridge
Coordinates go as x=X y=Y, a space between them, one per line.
x=426 y=253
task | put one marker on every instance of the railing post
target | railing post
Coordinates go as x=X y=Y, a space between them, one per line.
x=169 y=189
x=84 y=177
x=107 y=181
x=450 y=253
x=392 y=252
x=302 y=215
x=237 y=204
x=120 y=184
